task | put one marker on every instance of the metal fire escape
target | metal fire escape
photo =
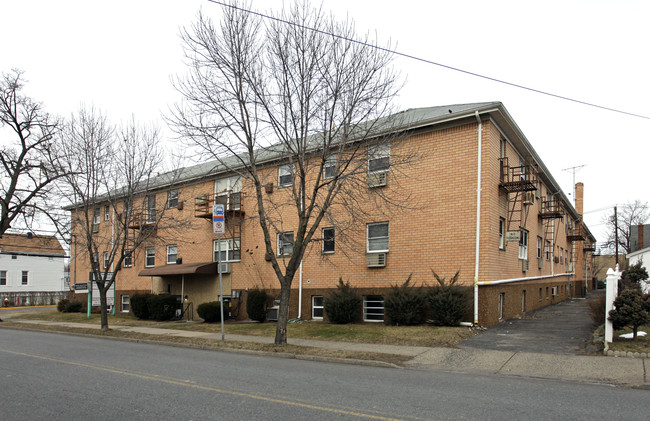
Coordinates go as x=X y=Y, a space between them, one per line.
x=520 y=184
x=231 y=202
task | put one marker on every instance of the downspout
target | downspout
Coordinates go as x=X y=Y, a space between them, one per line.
x=478 y=217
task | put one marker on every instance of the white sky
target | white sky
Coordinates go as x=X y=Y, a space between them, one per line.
x=120 y=55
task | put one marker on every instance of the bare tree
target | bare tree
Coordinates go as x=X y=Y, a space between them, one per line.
x=299 y=92
x=114 y=168
x=628 y=215
x=30 y=166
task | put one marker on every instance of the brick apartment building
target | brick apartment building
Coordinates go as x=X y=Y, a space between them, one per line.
x=516 y=240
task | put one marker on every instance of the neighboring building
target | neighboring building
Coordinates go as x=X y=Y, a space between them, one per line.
x=526 y=249
x=639 y=237
x=642 y=256
x=31 y=269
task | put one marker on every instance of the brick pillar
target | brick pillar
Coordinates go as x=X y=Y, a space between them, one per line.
x=579 y=245
x=640 y=235
x=580 y=189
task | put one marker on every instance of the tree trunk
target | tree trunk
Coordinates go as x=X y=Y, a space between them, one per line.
x=283 y=315
x=104 y=306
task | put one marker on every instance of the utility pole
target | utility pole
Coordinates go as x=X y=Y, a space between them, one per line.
x=574 y=170
x=616 y=235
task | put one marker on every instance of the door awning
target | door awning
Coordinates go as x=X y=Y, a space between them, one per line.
x=204 y=268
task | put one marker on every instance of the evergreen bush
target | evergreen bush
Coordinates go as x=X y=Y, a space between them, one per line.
x=210 y=312
x=162 y=307
x=73 y=307
x=139 y=306
x=343 y=305
x=447 y=301
x=404 y=304
x=256 y=304
x=60 y=306
x=632 y=309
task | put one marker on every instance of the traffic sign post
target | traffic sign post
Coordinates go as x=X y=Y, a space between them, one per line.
x=218 y=219
x=219 y=227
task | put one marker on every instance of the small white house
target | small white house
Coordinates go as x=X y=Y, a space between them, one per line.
x=31 y=269
x=642 y=256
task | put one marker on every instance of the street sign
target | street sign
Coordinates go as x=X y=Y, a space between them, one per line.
x=218 y=219
x=81 y=287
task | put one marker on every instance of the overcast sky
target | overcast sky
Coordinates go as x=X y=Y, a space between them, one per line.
x=120 y=55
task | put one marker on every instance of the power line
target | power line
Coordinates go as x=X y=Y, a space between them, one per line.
x=423 y=60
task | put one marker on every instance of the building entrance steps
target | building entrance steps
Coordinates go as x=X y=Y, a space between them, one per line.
x=562 y=328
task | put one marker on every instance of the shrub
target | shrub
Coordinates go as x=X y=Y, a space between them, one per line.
x=60 y=306
x=404 y=304
x=447 y=301
x=597 y=309
x=162 y=307
x=632 y=309
x=256 y=304
x=210 y=312
x=139 y=306
x=342 y=306
x=632 y=276
x=73 y=307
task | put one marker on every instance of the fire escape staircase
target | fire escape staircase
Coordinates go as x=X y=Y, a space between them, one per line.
x=233 y=212
x=520 y=185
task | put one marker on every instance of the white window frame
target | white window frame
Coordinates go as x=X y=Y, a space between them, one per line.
x=127 y=262
x=284 y=243
x=373 y=313
x=125 y=306
x=97 y=215
x=539 y=247
x=172 y=252
x=376 y=154
x=150 y=214
x=149 y=252
x=24 y=278
x=502 y=233
x=330 y=167
x=106 y=255
x=502 y=301
x=228 y=187
x=320 y=307
x=107 y=212
x=172 y=198
x=285 y=171
x=230 y=246
x=370 y=249
x=329 y=240
x=523 y=244
x=547 y=250
x=3 y=277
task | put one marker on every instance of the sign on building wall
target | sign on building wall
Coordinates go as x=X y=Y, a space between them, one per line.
x=513 y=235
x=110 y=294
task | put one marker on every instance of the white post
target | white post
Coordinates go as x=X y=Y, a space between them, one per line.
x=611 y=292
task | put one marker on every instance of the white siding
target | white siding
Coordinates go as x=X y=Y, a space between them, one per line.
x=45 y=273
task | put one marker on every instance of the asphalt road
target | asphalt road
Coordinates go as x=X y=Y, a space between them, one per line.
x=60 y=377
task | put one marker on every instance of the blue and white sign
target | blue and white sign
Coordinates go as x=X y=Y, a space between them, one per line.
x=218 y=219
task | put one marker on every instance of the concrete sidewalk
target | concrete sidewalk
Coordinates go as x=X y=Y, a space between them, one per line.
x=600 y=369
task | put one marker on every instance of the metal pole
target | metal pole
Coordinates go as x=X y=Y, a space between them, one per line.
x=183 y=296
x=223 y=339
x=616 y=234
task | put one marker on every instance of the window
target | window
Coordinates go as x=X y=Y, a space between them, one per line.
x=328 y=240
x=547 y=249
x=379 y=158
x=96 y=216
x=150 y=257
x=95 y=258
x=3 y=277
x=523 y=301
x=285 y=243
x=377 y=235
x=126 y=304
x=539 y=247
x=172 y=254
x=151 y=209
x=105 y=260
x=329 y=168
x=14 y=257
x=373 y=308
x=523 y=244
x=128 y=260
x=172 y=199
x=107 y=212
x=502 y=299
x=230 y=250
x=25 y=278
x=317 y=307
x=285 y=177
x=227 y=192
x=561 y=255
x=502 y=230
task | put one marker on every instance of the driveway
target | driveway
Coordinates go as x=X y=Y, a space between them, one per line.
x=563 y=328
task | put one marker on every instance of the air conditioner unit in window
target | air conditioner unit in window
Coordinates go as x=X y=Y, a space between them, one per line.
x=376 y=260
x=556 y=259
x=272 y=313
x=540 y=263
x=529 y=198
x=224 y=268
x=570 y=267
x=524 y=265
x=377 y=179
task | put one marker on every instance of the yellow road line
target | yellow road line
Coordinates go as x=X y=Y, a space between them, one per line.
x=206 y=388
